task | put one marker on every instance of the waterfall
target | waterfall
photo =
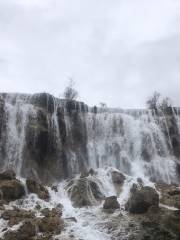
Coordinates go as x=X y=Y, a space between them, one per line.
x=136 y=146
x=58 y=139
x=17 y=112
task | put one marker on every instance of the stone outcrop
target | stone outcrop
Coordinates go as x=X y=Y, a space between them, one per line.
x=50 y=225
x=26 y=231
x=35 y=187
x=17 y=215
x=169 y=194
x=7 y=175
x=84 y=192
x=10 y=188
x=111 y=203
x=142 y=199
x=117 y=177
x=27 y=226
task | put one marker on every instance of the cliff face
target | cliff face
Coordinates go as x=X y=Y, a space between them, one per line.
x=39 y=134
x=52 y=139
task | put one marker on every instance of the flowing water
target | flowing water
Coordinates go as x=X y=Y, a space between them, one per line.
x=135 y=142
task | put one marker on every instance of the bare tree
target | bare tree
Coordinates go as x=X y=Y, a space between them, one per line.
x=165 y=104
x=157 y=102
x=152 y=102
x=70 y=93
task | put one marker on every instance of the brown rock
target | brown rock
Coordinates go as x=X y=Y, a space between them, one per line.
x=111 y=203
x=7 y=175
x=16 y=216
x=170 y=194
x=50 y=224
x=25 y=232
x=84 y=192
x=141 y=200
x=52 y=213
x=11 y=189
x=39 y=189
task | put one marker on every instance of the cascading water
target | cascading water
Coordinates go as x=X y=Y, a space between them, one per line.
x=54 y=139
x=17 y=112
x=136 y=146
x=136 y=142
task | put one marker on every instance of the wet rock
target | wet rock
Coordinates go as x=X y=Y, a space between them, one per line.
x=92 y=172
x=117 y=177
x=17 y=215
x=51 y=224
x=134 y=188
x=51 y=212
x=84 y=174
x=147 y=147
x=7 y=175
x=44 y=100
x=111 y=203
x=172 y=222
x=54 y=188
x=25 y=232
x=11 y=189
x=141 y=200
x=39 y=189
x=71 y=219
x=170 y=194
x=140 y=181
x=84 y=192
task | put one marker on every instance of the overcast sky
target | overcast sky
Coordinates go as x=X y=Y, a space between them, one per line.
x=117 y=51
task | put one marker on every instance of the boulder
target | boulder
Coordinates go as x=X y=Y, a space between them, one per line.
x=117 y=177
x=54 y=188
x=84 y=192
x=141 y=200
x=52 y=213
x=50 y=225
x=26 y=231
x=7 y=175
x=170 y=194
x=39 y=189
x=11 y=189
x=92 y=172
x=17 y=215
x=111 y=203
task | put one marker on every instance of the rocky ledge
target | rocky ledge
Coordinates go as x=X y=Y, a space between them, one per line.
x=35 y=224
x=150 y=212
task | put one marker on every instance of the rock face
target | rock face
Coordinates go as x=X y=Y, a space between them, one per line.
x=50 y=225
x=84 y=192
x=7 y=175
x=10 y=188
x=117 y=177
x=26 y=231
x=47 y=144
x=111 y=203
x=52 y=213
x=141 y=200
x=39 y=189
x=52 y=139
x=169 y=194
x=17 y=215
x=31 y=227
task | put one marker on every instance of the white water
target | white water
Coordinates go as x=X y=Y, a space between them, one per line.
x=17 y=112
x=118 y=140
x=113 y=139
x=90 y=222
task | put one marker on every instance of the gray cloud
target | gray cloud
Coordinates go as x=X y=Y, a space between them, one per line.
x=116 y=51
